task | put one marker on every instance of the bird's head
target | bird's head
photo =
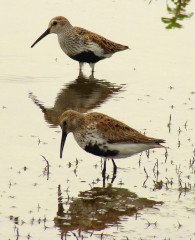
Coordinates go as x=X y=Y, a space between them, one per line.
x=69 y=121
x=56 y=25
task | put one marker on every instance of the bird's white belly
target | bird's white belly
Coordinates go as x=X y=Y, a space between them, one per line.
x=100 y=147
x=128 y=149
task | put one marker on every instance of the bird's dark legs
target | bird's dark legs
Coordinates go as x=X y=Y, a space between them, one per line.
x=104 y=169
x=92 y=65
x=80 y=69
x=114 y=170
x=104 y=172
x=80 y=66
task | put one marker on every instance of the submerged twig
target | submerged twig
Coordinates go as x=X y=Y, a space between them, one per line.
x=169 y=124
x=146 y=177
x=46 y=169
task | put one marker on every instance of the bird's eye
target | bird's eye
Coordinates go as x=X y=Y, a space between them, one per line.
x=64 y=123
x=55 y=23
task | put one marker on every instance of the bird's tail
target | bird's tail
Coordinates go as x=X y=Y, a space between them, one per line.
x=121 y=47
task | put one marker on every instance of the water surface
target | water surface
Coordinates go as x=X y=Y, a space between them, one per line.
x=150 y=87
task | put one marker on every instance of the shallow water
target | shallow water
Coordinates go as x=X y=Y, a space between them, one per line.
x=150 y=87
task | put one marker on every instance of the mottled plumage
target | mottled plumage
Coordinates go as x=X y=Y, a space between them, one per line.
x=104 y=136
x=80 y=44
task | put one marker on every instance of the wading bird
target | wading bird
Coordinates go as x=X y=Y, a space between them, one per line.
x=80 y=44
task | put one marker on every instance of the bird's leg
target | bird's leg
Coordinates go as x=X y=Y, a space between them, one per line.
x=114 y=170
x=92 y=65
x=114 y=165
x=80 y=68
x=104 y=172
x=104 y=168
x=91 y=77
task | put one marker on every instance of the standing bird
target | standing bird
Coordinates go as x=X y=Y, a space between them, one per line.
x=104 y=136
x=80 y=44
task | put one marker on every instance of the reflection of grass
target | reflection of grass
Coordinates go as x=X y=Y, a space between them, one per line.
x=178 y=13
x=183 y=188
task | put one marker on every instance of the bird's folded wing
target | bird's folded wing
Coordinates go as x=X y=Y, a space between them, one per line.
x=117 y=132
x=108 y=46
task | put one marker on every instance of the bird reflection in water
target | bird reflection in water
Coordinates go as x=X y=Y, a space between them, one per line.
x=98 y=209
x=82 y=95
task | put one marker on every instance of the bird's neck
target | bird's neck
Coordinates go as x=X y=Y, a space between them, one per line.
x=64 y=30
x=63 y=37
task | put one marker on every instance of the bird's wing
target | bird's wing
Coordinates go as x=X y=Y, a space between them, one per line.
x=108 y=46
x=117 y=132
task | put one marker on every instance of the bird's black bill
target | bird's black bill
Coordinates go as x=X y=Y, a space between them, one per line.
x=42 y=36
x=64 y=135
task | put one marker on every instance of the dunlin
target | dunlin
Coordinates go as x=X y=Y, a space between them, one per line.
x=80 y=44
x=104 y=136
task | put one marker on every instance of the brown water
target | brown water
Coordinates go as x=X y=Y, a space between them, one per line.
x=151 y=88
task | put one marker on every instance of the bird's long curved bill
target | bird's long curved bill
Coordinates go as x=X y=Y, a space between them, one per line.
x=42 y=36
x=64 y=135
